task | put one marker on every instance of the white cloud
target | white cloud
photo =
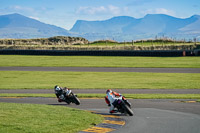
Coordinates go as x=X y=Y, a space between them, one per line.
x=139 y=2
x=159 y=11
x=114 y=10
x=20 y=8
x=91 y=10
x=110 y=9
x=25 y=10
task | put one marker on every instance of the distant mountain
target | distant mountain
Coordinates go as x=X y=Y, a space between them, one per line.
x=121 y=28
x=19 y=26
x=192 y=27
x=113 y=25
x=129 y=28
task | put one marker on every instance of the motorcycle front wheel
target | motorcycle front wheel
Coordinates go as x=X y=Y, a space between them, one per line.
x=76 y=100
x=128 y=110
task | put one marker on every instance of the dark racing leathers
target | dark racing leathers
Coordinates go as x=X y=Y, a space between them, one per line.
x=62 y=93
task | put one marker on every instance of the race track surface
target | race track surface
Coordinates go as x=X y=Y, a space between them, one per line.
x=104 y=69
x=151 y=115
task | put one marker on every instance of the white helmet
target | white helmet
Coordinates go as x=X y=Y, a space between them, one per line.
x=57 y=88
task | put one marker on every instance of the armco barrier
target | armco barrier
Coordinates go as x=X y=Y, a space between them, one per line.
x=158 y=53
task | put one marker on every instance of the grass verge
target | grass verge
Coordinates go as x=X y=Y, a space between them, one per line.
x=31 y=118
x=130 y=96
x=98 y=80
x=99 y=61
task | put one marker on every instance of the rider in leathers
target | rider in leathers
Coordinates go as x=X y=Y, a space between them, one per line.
x=111 y=100
x=61 y=92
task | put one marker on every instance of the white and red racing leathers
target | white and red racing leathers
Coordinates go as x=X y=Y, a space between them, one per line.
x=111 y=98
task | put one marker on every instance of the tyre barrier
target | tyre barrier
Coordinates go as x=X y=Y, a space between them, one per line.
x=154 y=53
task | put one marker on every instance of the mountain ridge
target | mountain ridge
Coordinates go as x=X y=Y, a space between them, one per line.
x=149 y=17
x=119 y=28
x=130 y=28
x=19 y=26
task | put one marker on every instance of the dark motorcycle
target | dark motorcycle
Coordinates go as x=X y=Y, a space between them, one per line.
x=68 y=97
x=123 y=107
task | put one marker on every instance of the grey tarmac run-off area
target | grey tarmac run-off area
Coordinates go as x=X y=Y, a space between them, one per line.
x=150 y=115
x=171 y=104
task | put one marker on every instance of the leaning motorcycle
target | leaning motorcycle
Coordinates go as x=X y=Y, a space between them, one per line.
x=69 y=97
x=123 y=107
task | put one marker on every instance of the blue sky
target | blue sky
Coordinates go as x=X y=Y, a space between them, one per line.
x=64 y=13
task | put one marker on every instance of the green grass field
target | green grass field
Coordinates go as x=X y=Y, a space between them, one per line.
x=98 y=80
x=99 y=61
x=32 y=118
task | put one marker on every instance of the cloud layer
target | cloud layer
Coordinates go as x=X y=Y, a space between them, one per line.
x=110 y=9
x=160 y=11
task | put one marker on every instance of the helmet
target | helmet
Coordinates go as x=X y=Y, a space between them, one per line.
x=57 y=88
x=108 y=91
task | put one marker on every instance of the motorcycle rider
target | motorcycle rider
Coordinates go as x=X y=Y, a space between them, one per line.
x=61 y=92
x=111 y=100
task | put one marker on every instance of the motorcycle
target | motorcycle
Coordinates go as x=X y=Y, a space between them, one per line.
x=69 y=97
x=123 y=106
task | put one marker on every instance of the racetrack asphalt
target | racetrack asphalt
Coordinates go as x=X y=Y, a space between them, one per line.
x=150 y=115
x=104 y=69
